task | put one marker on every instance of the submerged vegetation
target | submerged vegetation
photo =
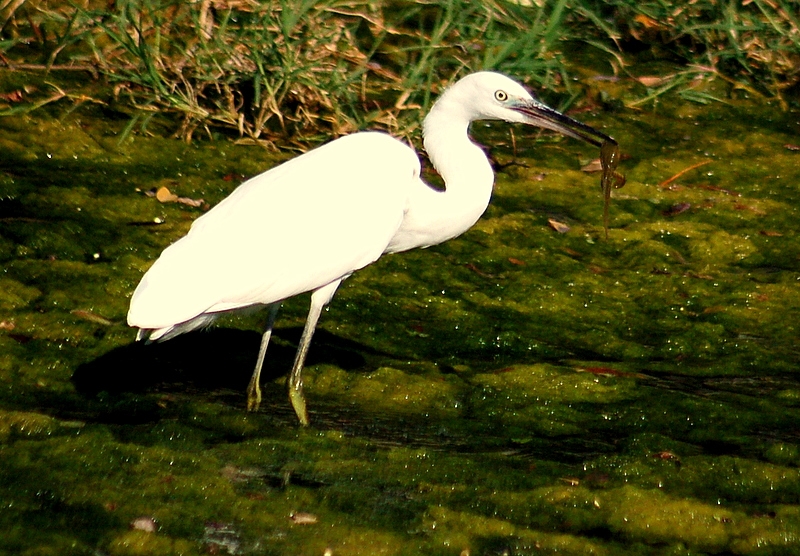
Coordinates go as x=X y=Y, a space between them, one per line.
x=305 y=71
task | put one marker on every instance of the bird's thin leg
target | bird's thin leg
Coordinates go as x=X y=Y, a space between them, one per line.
x=319 y=299
x=254 y=388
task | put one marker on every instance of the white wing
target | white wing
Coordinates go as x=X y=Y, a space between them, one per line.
x=293 y=229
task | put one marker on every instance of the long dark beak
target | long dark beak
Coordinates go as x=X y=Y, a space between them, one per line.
x=541 y=115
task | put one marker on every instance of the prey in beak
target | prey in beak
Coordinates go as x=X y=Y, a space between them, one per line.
x=541 y=115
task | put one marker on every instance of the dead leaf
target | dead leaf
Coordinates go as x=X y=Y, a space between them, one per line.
x=303 y=518
x=592 y=166
x=646 y=21
x=190 y=202
x=13 y=96
x=164 y=195
x=91 y=317
x=665 y=455
x=560 y=227
x=651 y=81
x=742 y=206
x=677 y=209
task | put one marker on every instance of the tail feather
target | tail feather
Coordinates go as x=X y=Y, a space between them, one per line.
x=169 y=332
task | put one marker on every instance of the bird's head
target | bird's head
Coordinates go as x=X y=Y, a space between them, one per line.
x=488 y=95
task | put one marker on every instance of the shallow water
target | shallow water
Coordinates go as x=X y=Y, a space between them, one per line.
x=515 y=391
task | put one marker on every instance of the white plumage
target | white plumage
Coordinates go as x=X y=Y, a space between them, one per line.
x=312 y=221
x=263 y=244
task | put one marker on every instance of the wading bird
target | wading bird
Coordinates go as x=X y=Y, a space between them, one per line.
x=307 y=224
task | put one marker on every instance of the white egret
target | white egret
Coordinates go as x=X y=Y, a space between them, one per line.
x=307 y=224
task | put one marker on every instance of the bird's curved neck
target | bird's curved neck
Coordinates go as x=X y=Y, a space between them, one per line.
x=453 y=154
x=435 y=216
x=463 y=165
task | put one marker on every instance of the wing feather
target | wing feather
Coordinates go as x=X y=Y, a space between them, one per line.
x=295 y=228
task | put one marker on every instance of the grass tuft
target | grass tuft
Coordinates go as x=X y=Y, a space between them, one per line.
x=300 y=71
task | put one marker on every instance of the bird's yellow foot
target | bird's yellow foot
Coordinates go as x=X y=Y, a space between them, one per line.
x=253 y=396
x=299 y=404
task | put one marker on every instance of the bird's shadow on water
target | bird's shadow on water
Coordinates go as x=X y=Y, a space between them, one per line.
x=209 y=360
x=126 y=388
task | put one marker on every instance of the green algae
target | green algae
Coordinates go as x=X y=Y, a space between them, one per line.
x=517 y=390
x=19 y=424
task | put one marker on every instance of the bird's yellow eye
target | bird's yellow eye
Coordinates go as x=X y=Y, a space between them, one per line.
x=502 y=96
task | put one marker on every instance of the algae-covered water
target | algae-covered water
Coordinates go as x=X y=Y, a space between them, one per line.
x=528 y=388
